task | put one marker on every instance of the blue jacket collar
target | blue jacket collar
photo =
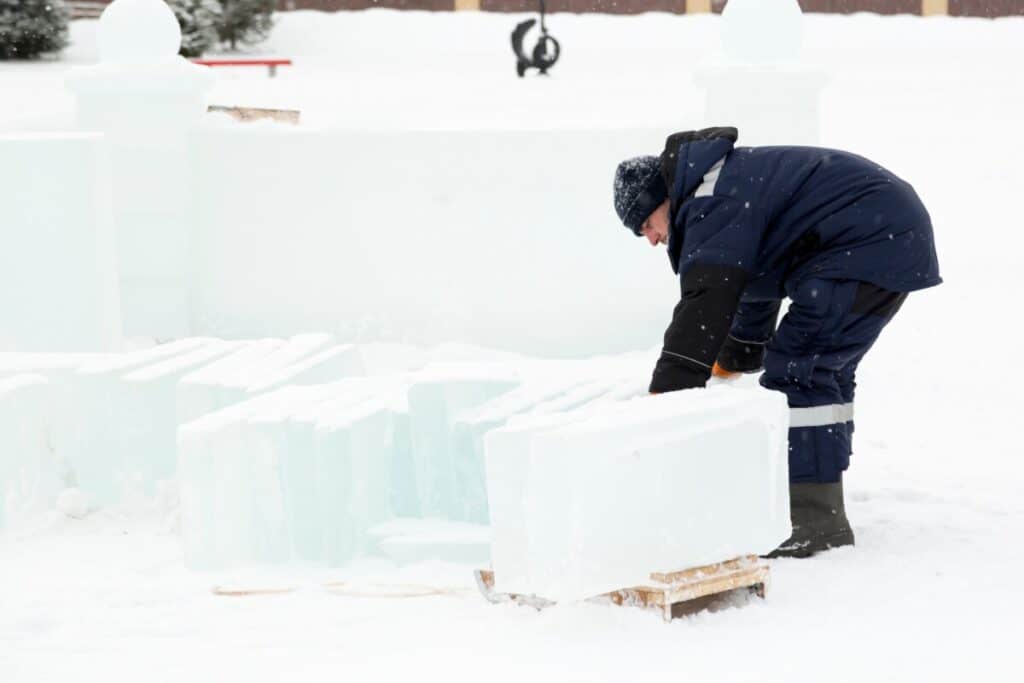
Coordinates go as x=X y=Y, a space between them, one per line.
x=688 y=156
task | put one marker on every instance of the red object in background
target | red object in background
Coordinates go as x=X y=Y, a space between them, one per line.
x=271 y=64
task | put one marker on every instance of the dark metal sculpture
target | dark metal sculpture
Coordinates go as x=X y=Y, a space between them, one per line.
x=544 y=54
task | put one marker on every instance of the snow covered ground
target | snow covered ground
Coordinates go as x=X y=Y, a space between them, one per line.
x=929 y=593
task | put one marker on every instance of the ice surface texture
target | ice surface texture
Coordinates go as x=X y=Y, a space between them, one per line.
x=590 y=501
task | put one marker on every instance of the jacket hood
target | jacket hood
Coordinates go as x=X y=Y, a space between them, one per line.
x=687 y=158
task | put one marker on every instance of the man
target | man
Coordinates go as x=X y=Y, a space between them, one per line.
x=844 y=239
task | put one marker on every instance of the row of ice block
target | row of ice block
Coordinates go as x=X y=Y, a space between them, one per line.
x=594 y=500
x=306 y=473
x=113 y=418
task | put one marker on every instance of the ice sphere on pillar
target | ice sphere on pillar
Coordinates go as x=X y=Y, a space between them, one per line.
x=656 y=484
x=758 y=31
x=138 y=31
x=437 y=397
x=28 y=476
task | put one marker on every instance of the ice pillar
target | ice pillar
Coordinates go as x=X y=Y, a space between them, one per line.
x=762 y=86
x=144 y=98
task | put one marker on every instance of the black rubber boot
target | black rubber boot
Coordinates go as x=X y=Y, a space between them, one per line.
x=819 y=520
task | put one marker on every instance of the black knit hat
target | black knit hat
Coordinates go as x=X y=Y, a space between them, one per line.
x=639 y=190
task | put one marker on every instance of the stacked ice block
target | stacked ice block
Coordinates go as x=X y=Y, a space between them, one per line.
x=595 y=500
x=300 y=473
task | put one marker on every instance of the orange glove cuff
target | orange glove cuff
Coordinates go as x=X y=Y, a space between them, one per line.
x=718 y=371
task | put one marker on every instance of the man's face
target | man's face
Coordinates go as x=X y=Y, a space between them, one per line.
x=655 y=228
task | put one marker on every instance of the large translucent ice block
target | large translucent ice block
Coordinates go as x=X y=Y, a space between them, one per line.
x=295 y=474
x=27 y=473
x=507 y=463
x=97 y=405
x=438 y=396
x=145 y=448
x=230 y=481
x=655 y=484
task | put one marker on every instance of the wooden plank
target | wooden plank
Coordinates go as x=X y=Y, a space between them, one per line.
x=467 y=5
x=698 y=6
x=698 y=573
x=931 y=8
x=255 y=114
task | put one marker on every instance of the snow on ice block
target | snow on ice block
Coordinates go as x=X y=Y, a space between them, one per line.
x=264 y=365
x=437 y=398
x=27 y=475
x=197 y=392
x=591 y=502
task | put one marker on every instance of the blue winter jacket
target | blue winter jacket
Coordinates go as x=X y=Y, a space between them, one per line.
x=750 y=223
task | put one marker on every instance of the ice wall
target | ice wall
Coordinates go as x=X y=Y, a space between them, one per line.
x=469 y=238
x=58 y=285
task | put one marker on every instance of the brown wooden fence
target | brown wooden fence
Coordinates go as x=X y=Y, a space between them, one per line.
x=972 y=8
x=956 y=8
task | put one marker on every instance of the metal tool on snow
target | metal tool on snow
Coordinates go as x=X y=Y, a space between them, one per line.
x=544 y=54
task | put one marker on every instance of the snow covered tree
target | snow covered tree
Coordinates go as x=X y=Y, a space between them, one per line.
x=198 y=20
x=245 y=21
x=28 y=28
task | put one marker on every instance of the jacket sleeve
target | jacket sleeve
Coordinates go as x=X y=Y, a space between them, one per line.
x=700 y=323
x=753 y=326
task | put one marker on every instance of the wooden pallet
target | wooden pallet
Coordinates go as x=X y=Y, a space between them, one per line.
x=673 y=593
